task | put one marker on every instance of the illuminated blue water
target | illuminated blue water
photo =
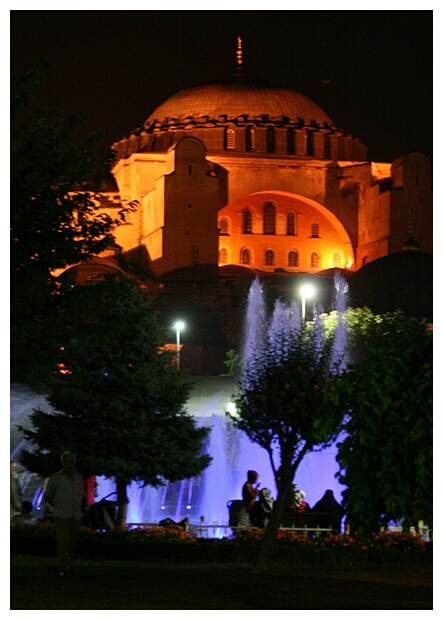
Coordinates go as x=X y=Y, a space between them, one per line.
x=207 y=495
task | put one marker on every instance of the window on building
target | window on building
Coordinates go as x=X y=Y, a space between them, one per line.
x=223 y=256
x=293 y=258
x=315 y=259
x=195 y=255
x=309 y=143
x=245 y=256
x=247 y=221
x=269 y=258
x=270 y=140
x=315 y=229
x=224 y=226
x=230 y=139
x=250 y=139
x=290 y=141
x=291 y=223
x=269 y=219
x=336 y=259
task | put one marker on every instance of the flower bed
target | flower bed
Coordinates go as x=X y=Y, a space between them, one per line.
x=336 y=549
x=179 y=545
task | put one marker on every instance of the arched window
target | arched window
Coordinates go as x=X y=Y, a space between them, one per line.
x=270 y=140
x=309 y=143
x=315 y=259
x=291 y=223
x=293 y=258
x=250 y=139
x=224 y=226
x=245 y=256
x=223 y=256
x=269 y=219
x=269 y=258
x=290 y=141
x=315 y=229
x=247 y=221
x=230 y=139
x=336 y=259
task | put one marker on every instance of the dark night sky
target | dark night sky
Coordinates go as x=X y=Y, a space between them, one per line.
x=372 y=71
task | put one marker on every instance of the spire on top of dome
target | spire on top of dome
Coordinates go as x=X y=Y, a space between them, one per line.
x=239 y=54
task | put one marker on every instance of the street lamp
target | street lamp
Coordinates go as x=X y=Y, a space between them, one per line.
x=307 y=291
x=179 y=325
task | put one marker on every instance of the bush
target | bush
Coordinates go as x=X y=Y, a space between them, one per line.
x=178 y=545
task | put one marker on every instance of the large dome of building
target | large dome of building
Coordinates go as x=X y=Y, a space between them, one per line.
x=245 y=116
x=240 y=98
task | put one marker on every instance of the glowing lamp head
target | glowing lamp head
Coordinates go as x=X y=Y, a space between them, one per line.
x=231 y=409
x=307 y=291
x=179 y=325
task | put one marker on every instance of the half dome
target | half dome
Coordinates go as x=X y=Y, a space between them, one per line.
x=236 y=98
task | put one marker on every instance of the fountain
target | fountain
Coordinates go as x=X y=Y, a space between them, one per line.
x=206 y=496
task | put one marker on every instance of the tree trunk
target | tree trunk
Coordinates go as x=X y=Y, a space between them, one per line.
x=284 y=479
x=270 y=536
x=122 y=503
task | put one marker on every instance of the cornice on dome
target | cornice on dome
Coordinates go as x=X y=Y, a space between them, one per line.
x=244 y=104
x=236 y=98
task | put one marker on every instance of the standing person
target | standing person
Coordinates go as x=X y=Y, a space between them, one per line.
x=16 y=504
x=249 y=492
x=65 y=494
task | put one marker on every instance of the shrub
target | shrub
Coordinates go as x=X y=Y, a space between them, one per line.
x=179 y=545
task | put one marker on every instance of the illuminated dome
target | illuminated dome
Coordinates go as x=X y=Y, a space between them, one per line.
x=244 y=115
x=239 y=98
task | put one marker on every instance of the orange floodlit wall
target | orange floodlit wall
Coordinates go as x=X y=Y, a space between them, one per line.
x=279 y=230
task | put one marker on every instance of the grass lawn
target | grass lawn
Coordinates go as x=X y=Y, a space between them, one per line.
x=131 y=585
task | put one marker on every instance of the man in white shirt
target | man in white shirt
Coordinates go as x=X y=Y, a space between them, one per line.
x=64 y=496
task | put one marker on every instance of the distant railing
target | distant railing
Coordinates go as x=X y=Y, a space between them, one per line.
x=216 y=530
x=204 y=531
x=423 y=531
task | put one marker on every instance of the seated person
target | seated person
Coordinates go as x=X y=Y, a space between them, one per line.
x=26 y=517
x=329 y=504
x=297 y=502
x=262 y=509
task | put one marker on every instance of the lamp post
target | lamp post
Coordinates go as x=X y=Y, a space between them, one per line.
x=179 y=325
x=307 y=291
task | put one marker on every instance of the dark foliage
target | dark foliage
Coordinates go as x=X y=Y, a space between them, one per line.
x=55 y=221
x=386 y=457
x=119 y=400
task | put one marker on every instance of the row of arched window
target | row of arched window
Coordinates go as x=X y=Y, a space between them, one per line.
x=269 y=220
x=306 y=145
x=246 y=258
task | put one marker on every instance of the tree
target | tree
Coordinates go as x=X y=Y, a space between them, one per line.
x=386 y=457
x=287 y=371
x=119 y=400
x=232 y=362
x=55 y=220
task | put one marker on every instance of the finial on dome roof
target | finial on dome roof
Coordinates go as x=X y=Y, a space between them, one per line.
x=239 y=53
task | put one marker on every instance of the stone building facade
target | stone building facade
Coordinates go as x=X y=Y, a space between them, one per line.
x=238 y=178
x=246 y=173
